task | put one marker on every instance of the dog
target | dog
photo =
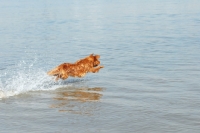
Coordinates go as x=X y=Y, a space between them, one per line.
x=78 y=69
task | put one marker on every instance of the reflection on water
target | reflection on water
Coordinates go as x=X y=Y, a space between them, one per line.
x=77 y=100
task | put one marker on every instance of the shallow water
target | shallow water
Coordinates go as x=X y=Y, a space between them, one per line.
x=150 y=50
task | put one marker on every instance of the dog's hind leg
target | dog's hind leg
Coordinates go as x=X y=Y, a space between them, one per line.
x=64 y=76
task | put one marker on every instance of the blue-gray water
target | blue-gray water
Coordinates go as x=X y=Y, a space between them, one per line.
x=150 y=50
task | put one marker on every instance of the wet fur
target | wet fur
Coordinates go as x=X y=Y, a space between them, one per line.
x=78 y=69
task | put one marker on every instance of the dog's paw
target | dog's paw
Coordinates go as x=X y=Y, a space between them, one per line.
x=101 y=66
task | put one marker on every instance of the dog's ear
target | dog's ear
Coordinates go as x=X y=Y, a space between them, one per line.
x=91 y=57
x=97 y=56
x=92 y=54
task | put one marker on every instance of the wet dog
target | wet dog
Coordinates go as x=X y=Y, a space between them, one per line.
x=78 y=69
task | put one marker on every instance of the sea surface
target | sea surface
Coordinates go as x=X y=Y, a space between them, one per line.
x=150 y=50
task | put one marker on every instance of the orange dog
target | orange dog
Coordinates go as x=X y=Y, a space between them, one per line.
x=77 y=69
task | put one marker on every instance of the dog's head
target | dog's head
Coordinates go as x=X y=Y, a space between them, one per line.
x=95 y=59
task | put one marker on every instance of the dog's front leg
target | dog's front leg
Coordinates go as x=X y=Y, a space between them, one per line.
x=96 y=69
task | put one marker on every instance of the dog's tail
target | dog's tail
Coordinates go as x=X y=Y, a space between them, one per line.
x=54 y=72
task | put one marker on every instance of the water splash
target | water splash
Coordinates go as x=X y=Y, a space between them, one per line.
x=26 y=77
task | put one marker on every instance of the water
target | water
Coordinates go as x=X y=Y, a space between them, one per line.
x=150 y=50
